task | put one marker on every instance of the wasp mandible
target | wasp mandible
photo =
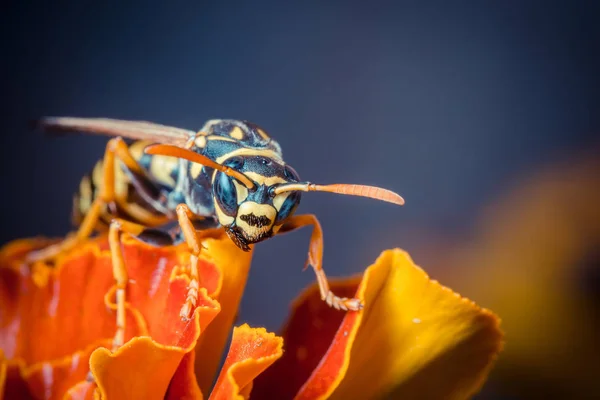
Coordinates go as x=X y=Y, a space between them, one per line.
x=228 y=176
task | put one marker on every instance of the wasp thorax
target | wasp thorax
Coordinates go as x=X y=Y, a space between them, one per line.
x=255 y=220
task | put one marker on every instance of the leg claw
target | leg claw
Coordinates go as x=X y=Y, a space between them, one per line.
x=343 y=303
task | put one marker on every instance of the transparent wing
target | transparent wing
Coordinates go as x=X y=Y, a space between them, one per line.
x=138 y=130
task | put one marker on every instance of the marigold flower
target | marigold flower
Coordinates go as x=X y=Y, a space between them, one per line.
x=414 y=337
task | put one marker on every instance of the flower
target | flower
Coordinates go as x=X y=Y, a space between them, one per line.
x=414 y=338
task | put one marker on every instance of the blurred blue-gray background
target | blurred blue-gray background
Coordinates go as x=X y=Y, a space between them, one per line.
x=443 y=102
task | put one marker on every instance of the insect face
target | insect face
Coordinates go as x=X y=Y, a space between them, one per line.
x=251 y=215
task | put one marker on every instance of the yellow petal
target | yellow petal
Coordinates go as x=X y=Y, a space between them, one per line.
x=414 y=339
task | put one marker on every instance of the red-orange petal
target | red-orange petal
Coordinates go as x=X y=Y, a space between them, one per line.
x=308 y=335
x=252 y=350
x=15 y=386
x=50 y=380
x=184 y=386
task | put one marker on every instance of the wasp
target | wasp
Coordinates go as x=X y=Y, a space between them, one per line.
x=229 y=176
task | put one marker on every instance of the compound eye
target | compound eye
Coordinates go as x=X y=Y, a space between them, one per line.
x=291 y=174
x=288 y=207
x=226 y=194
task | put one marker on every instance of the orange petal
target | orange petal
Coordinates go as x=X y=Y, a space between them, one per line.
x=414 y=339
x=252 y=350
x=66 y=300
x=70 y=307
x=39 y=303
x=234 y=265
x=143 y=368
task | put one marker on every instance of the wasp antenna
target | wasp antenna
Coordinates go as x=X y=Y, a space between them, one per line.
x=179 y=152
x=371 y=192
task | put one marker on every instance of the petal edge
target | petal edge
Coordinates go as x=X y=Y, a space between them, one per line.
x=252 y=351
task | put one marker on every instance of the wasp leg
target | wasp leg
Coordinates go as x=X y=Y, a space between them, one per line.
x=117 y=227
x=154 y=237
x=315 y=259
x=116 y=147
x=193 y=238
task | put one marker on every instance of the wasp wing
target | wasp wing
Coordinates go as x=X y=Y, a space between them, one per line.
x=137 y=130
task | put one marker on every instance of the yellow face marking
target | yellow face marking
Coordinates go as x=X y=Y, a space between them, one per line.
x=241 y=190
x=264 y=180
x=224 y=219
x=195 y=170
x=200 y=142
x=237 y=133
x=279 y=199
x=259 y=210
x=86 y=195
x=249 y=152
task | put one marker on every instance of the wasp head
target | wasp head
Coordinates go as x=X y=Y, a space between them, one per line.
x=254 y=195
x=253 y=214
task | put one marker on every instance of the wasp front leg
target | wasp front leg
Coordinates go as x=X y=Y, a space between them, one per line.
x=193 y=239
x=315 y=259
